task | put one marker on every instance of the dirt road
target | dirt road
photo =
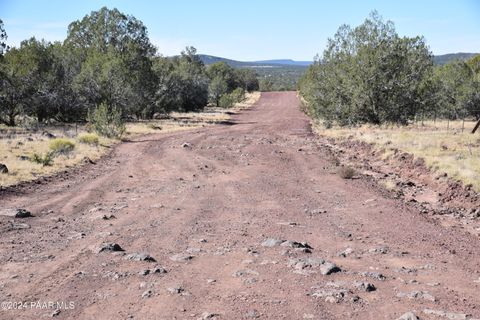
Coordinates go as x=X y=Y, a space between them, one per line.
x=202 y=204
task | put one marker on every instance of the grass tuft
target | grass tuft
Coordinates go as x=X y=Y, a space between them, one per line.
x=61 y=146
x=88 y=138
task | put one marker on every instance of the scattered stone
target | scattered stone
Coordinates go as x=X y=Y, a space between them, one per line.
x=303 y=263
x=417 y=295
x=289 y=224
x=406 y=270
x=328 y=268
x=249 y=280
x=193 y=250
x=110 y=247
x=176 y=290
x=3 y=168
x=408 y=316
x=448 y=315
x=138 y=256
x=317 y=211
x=181 y=257
x=208 y=315
x=22 y=213
x=381 y=250
x=331 y=295
x=432 y=284
x=159 y=269
x=115 y=275
x=147 y=294
x=244 y=273
x=270 y=242
x=294 y=244
x=365 y=286
x=145 y=272
x=252 y=314
x=345 y=252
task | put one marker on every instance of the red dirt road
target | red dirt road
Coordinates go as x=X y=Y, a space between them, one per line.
x=202 y=211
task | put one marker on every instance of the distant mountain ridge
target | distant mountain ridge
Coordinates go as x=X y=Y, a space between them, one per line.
x=446 y=58
x=208 y=59
x=285 y=62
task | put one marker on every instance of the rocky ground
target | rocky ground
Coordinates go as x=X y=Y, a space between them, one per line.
x=242 y=221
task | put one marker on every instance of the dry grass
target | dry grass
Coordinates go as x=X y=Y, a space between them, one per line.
x=190 y=120
x=18 y=145
x=16 y=150
x=451 y=151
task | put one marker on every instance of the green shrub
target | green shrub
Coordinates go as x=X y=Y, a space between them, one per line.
x=45 y=160
x=226 y=101
x=88 y=138
x=61 y=146
x=107 y=121
x=238 y=94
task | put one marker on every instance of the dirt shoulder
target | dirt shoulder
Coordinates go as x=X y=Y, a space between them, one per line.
x=408 y=178
x=237 y=221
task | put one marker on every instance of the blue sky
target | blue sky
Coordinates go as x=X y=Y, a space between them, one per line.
x=254 y=30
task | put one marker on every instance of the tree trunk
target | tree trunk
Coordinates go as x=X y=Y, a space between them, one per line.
x=11 y=119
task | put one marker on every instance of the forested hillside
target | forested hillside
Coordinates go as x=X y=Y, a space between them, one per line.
x=274 y=75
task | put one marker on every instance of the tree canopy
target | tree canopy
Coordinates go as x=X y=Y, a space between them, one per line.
x=106 y=60
x=368 y=74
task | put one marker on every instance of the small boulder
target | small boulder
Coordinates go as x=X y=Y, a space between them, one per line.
x=365 y=286
x=176 y=290
x=271 y=242
x=159 y=270
x=139 y=256
x=181 y=257
x=329 y=268
x=145 y=272
x=295 y=244
x=22 y=213
x=3 y=168
x=110 y=247
x=147 y=294
x=374 y=275
x=381 y=250
x=345 y=252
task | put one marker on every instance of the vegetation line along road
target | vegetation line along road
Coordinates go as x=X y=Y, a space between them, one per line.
x=104 y=74
x=370 y=76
